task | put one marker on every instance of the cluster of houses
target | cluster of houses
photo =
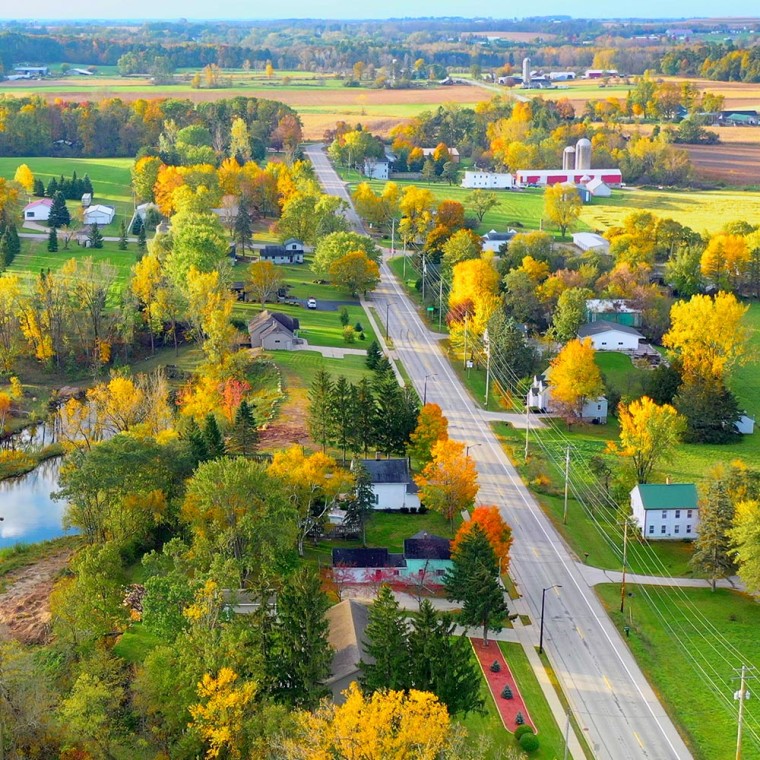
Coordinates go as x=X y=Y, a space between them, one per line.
x=92 y=214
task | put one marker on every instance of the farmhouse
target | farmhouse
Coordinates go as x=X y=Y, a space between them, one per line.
x=99 y=214
x=585 y=241
x=290 y=252
x=663 y=511
x=392 y=483
x=427 y=555
x=490 y=180
x=616 y=310
x=347 y=622
x=539 y=400
x=376 y=168
x=494 y=241
x=610 y=336
x=453 y=154
x=38 y=211
x=273 y=330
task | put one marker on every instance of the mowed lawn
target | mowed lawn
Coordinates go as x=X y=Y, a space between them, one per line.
x=301 y=366
x=677 y=634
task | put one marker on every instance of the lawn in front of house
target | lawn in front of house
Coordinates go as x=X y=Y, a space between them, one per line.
x=677 y=633
x=299 y=367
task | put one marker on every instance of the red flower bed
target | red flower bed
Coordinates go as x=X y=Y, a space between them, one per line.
x=508 y=708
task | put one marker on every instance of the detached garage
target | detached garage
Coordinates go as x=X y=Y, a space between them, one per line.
x=610 y=336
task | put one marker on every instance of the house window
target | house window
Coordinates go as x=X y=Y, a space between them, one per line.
x=651 y=529
x=662 y=529
x=688 y=528
x=688 y=513
x=664 y=514
x=677 y=529
x=30 y=214
x=678 y=513
x=376 y=497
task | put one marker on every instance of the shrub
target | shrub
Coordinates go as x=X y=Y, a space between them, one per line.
x=344 y=317
x=358 y=327
x=423 y=509
x=528 y=743
x=520 y=719
x=404 y=510
x=495 y=667
x=506 y=692
x=520 y=731
x=349 y=334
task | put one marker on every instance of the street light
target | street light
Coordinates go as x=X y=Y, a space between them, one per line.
x=543 y=602
x=470 y=446
x=424 y=388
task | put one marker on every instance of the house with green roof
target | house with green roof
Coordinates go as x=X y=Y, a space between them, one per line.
x=666 y=510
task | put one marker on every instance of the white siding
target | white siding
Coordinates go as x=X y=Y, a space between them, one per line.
x=614 y=340
x=492 y=180
x=394 y=496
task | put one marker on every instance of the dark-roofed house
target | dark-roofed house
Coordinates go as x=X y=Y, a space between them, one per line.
x=367 y=566
x=666 y=510
x=427 y=555
x=290 y=252
x=348 y=621
x=392 y=483
x=610 y=336
x=273 y=330
x=494 y=241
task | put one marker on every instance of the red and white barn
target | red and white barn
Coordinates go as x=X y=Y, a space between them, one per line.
x=574 y=176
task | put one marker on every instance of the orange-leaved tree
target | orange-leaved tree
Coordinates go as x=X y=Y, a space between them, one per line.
x=574 y=378
x=449 y=482
x=497 y=531
x=432 y=427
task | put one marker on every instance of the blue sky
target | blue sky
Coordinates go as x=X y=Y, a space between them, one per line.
x=336 y=9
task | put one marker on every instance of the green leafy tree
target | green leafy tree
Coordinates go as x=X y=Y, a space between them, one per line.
x=123 y=241
x=441 y=661
x=481 y=202
x=320 y=420
x=710 y=409
x=509 y=348
x=336 y=245
x=570 y=313
x=387 y=637
x=474 y=581
x=301 y=653
x=562 y=206
x=712 y=547
x=52 y=243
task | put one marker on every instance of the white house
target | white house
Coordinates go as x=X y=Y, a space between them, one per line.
x=488 y=180
x=610 y=336
x=274 y=331
x=392 y=483
x=38 y=211
x=666 y=510
x=598 y=188
x=493 y=241
x=588 y=240
x=539 y=399
x=99 y=214
x=376 y=169
x=290 y=252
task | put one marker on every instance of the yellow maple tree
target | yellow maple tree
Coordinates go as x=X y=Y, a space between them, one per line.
x=574 y=378
x=432 y=427
x=725 y=260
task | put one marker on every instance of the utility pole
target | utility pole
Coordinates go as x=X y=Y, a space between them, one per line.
x=465 y=340
x=741 y=695
x=527 y=428
x=424 y=272
x=440 y=299
x=567 y=481
x=625 y=558
x=488 y=363
x=387 y=307
x=393 y=236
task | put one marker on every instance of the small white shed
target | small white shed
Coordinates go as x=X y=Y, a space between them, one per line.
x=38 y=211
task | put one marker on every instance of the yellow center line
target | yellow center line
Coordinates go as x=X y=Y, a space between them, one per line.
x=607 y=681
x=638 y=739
x=535 y=551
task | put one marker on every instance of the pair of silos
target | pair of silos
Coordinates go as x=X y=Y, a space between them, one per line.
x=577 y=157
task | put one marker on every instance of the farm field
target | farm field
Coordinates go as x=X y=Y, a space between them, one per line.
x=674 y=637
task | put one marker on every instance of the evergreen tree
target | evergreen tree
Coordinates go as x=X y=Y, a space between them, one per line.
x=387 y=636
x=141 y=242
x=14 y=242
x=383 y=367
x=364 y=402
x=52 y=244
x=441 y=661
x=474 y=580
x=87 y=185
x=123 y=242
x=243 y=230
x=75 y=187
x=212 y=437
x=712 y=548
x=509 y=347
x=196 y=442
x=374 y=354
x=4 y=255
x=94 y=237
x=361 y=505
x=321 y=424
x=711 y=411
x=243 y=435
x=59 y=213
x=52 y=187
x=344 y=317
x=396 y=415
x=39 y=188
x=302 y=654
x=343 y=414
x=137 y=225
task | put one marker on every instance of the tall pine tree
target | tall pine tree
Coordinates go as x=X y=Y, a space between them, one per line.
x=94 y=237
x=52 y=243
x=59 y=212
x=141 y=241
x=243 y=229
x=365 y=411
x=343 y=414
x=321 y=423
x=361 y=504
x=712 y=548
x=123 y=241
x=212 y=436
x=243 y=434
x=387 y=636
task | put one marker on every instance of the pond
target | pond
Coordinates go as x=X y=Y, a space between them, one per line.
x=29 y=513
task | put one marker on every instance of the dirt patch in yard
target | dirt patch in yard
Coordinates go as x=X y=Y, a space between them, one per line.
x=25 y=603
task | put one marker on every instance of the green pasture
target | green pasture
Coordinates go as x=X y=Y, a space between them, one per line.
x=299 y=367
x=674 y=637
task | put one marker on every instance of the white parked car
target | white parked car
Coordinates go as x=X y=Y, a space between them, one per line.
x=311 y=303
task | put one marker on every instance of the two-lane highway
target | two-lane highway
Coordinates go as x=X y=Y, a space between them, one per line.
x=607 y=691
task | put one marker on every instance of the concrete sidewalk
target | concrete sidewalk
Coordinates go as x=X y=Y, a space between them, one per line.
x=595 y=575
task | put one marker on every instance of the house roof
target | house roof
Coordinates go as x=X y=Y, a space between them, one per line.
x=595 y=184
x=109 y=210
x=289 y=241
x=387 y=470
x=41 y=202
x=614 y=305
x=366 y=558
x=668 y=495
x=499 y=236
x=603 y=326
x=267 y=318
x=425 y=545
x=590 y=240
x=347 y=622
x=270 y=251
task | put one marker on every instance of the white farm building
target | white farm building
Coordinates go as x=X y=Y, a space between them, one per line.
x=38 y=211
x=488 y=180
x=611 y=336
x=588 y=240
x=99 y=214
x=666 y=511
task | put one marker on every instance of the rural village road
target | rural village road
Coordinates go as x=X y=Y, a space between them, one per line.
x=608 y=693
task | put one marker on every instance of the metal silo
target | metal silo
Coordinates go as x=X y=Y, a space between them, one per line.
x=568 y=159
x=526 y=72
x=582 y=154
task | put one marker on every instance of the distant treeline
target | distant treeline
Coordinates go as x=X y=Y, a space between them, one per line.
x=722 y=62
x=113 y=127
